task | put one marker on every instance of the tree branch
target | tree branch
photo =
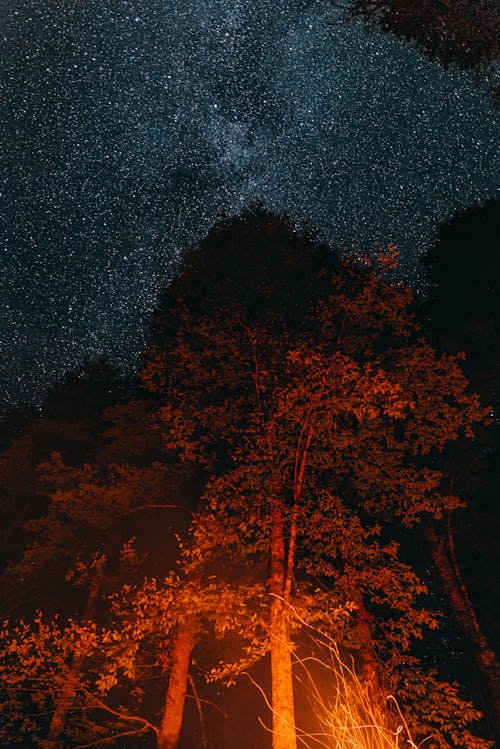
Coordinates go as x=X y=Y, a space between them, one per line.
x=200 y=712
x=298 y=479
x=100 y=705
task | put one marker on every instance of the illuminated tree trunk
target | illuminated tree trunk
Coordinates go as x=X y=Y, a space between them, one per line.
x=168 y=735
x=284 y=736
x=465 y=616
x=68 y=692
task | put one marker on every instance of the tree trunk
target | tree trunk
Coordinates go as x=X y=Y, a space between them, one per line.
x=371 y=671
x=68 y=692
x=284 y=734
x=369 y=660
x=465 y=616
x=168 y=735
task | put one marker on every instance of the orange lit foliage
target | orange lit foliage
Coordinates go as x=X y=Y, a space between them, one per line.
x=318 y=419
x=37 y=668
x=68 y=422
x=83 y=543
x=90 y=678
x=310 y=427
x=156 y=628
x=144 y=647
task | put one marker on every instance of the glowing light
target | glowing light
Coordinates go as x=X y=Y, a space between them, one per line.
x=354 y=714
x=349 y=710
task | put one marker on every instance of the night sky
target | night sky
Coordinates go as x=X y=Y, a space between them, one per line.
x=128 y=126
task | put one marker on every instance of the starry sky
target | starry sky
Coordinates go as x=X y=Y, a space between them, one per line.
x=129 y=126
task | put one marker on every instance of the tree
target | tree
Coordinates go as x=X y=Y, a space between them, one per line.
x=68 y=421
x=96 y=513
x=279 y=404
x=109 y=677
x=318 y=416
x=462 y=305
x=464 y=33
x=461 y=313
x=85 y=538
x=159 y=625
x=38 y=670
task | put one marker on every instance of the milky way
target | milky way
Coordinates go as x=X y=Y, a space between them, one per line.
x=129 y=126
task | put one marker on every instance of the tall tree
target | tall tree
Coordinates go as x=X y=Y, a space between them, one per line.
x=461 y=312
x=93 y=511
x=69 y=421
x=277 y=402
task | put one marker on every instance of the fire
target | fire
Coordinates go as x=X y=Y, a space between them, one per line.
x=348 y=711
x=354 y=714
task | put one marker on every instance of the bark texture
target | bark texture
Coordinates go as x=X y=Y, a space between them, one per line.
x=284 y=734
x=368 y=654
x=168 y=735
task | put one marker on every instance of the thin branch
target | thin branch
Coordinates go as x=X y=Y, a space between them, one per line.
x=209 y=702
x=200 y=712
x=99 y=704
x=298 y=479
x=459 y=578
x=299 y=442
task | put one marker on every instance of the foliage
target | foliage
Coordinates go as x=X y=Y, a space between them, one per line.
x=35 y=666
x=322 y=433
x=314 y=418
x=83 y=548
x=454 y=32
x=435 y=708
x=461 y=313
x=125 y=662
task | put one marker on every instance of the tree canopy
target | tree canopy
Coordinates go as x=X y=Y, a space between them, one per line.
x=296 y=423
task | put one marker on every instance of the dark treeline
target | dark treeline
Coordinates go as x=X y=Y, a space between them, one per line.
x=456 y=33
x=292 y=471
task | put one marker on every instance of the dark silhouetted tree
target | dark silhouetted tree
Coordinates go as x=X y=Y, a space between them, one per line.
x=462 y=313
x=464 y=33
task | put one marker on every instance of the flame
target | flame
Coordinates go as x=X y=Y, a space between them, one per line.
x=354 y=714
x=350 y=712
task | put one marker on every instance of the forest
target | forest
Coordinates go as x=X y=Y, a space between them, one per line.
x=281 y=532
